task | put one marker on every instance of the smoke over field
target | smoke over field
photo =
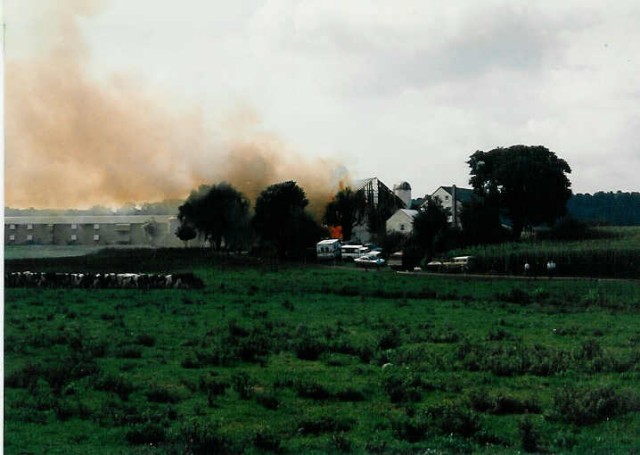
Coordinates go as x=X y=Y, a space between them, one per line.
x=73 y=140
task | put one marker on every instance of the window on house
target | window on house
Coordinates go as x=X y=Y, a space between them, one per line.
x=29 y=238
x=29 y=227
x=12 y=238
x=74 y=226
x=96 y=226
x=96 y=237
x=74 y=237
x=12 y=227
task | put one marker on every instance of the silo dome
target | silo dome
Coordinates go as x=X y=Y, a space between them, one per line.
x=402 y=186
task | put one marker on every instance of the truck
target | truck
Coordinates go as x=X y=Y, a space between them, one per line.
x=351 y=252
x=328 y=250
x=454 y=265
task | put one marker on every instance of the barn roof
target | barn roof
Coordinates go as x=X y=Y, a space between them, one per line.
x=462 y=194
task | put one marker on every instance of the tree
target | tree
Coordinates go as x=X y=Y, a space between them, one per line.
x=219 y=212
x=345 y=210
x=529 y=183
x=380 y=205
x=429 y=225
x=280 y=220
x=186 y=232
x=480 y=219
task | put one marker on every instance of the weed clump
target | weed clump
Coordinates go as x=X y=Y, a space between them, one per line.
x=589 y=406
x=402 y=386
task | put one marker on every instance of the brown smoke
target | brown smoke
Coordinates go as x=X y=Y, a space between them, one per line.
x=73 y=141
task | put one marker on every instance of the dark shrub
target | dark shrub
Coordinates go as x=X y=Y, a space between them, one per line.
x=26 y=377
x=190 y=361
x=391 y=339
x=309 y=347
x=146 y=433
x=243 y=385
x=453 y=419
x=324 y=424
x=409 y=429
x=528 y=435
x=516 y=295
x=267 y=440
x=311 y=389
x=128 y=352
x=213 y=387
x=402 y=386
x=115 y=384
x=509 y=405
x=203 y=438
x=267 y=400
x=146 y=340
x=349 y=394
x=585 y=407
x=159 y=394
x=341 y=443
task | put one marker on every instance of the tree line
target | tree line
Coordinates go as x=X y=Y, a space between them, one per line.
x=279 y=225
x=606 y=208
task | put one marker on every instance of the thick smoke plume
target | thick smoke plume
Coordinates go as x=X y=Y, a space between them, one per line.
x=73 y=141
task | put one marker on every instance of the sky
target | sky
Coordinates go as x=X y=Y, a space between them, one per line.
x=104 y=93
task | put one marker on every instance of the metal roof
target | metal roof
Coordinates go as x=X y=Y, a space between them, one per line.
x=88 y=219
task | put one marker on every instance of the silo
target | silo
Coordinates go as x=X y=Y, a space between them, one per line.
x=403 y=191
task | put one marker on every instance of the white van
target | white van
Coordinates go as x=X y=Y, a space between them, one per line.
x=328 y=249
x=351 y=252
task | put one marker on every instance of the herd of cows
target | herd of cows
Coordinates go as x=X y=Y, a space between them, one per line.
x=102 y=280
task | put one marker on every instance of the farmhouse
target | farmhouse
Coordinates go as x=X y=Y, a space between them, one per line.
x=401 y=221
x=446 y=195
x=138 y=230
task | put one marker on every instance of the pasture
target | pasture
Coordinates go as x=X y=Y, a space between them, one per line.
x=302 y=359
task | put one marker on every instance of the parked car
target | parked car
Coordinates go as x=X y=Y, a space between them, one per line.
x=369 y=260
x=454 y=265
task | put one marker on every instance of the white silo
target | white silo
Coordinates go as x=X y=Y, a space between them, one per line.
x=403 y=191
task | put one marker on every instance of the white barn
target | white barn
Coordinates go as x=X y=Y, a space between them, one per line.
x=401 y=221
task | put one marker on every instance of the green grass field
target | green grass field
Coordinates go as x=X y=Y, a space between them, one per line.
x=309 y=359
x=612 y=252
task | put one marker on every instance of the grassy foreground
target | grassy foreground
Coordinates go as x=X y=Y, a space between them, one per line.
x=303 y=359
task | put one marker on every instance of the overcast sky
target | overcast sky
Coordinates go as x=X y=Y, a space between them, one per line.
x=402 y=90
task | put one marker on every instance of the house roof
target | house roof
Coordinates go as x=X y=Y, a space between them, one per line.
x=410 y=213
x=361 y=183
x=462 y=194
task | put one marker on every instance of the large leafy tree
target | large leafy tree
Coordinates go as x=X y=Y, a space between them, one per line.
x=281 y=221
x=220 y=212
x=346 y=210
x=480 y=219
x=529 y=183
x=429 y=226
x=186 y=232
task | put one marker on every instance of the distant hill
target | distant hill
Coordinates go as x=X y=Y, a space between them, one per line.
x=606 y=208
